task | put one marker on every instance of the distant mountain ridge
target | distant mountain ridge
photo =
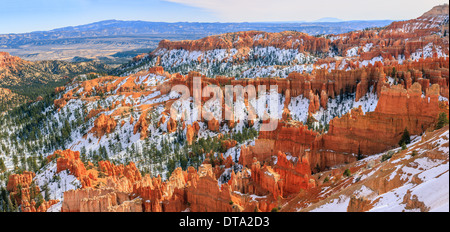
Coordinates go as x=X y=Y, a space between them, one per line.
x=119 y=27
x=102 y=40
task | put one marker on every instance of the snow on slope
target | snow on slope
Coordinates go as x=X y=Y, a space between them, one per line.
x=259 y=61
x=341 y=105
x=122 y=140
x=415 y=179
x=432 y=175
x=428 y=51
x=56 y=183
x=336 y=205
x=299 y=108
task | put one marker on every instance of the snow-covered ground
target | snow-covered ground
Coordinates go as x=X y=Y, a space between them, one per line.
x=335 y=205
x=340 y=105
x=55 y=183
x=259 y=62
x=428 y=51
x=425 y=179
x=299 y=108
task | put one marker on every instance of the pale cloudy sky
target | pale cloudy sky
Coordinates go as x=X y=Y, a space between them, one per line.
x=307 y=10
x=17 y=16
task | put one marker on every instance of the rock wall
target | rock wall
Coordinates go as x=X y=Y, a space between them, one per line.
x=374 y=132
x=99 y=200
x=355 y=132
x=295 y=173
x=243 y=41
x=118 y=171
x=192 y=190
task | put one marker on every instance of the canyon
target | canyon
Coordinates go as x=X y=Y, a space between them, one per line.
x=345 y=103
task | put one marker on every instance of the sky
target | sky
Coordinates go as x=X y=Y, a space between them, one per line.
x=20 y=16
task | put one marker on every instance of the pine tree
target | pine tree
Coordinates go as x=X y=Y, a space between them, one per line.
x=406 y=139
x=46 y=193
x=2 y=165
x=394 y=72
x=310 y=122
x=347 y=173
x=442 y=120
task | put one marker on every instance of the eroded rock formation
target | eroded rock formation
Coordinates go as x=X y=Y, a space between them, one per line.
x=104 y=124
x=24 y=192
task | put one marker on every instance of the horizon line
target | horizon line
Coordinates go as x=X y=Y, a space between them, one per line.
x=211 y=22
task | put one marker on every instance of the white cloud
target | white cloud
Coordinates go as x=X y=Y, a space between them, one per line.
x=292 y=10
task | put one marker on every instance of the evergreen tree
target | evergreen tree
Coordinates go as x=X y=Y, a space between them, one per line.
x=310 y=122
x=394 y=72
x=46 y=193
x=406 y=139
x=442 y=120
x=2 y=165
x=347 y=172
x=360 y=156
